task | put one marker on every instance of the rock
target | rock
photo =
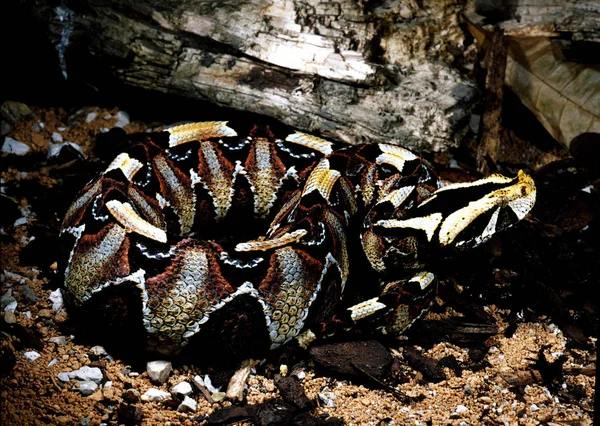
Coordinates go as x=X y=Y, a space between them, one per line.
x=128 y=413
x=159 y=371
x=218 y=396
x=10 y=318
x=108 y=384
x=86 y=373
x=14 y=111
x=13 y=146
x=91 y=117
x=181 y=389
x=188 y=405
x=29 y=294
x=4 y=128
x=292 y=391
x=86 y=388
x=153 y=394
x=63 y=377
x=56 y=299
x=235 y=388
x=53 y=362
x=327 y=398
x=122 y=119
x=131 y=395
x=7 y=302
x=31 y=356
x=354 y=358
x=58 y=340
x=85 y=421
x=98 y=351
x=57 y=149
x=56 y=137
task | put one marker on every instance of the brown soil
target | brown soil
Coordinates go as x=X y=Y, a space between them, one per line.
x=507 y=384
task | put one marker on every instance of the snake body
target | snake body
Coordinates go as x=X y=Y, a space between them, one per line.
x=279 y=239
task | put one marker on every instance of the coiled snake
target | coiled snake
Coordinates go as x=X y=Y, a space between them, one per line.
x=173 y=220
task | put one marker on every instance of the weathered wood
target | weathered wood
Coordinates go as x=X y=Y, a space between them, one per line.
x=351 y=71
x=569 y=19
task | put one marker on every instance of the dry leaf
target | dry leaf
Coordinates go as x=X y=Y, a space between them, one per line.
x=564 y=96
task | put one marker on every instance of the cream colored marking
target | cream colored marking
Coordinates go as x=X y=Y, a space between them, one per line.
x=424 y=279
x=397 y=196
x=425 y=223
x=366 y=308
x=81 y=201
x=285 y=239
x=495 y=178
x=129 y=166
x=265 y=183
x=183 y=198
x=220 y=186
x=523 y=189
x=198 y=131
x=126 y=216
x=394 y=155
x=322 y=179
x=312 y=142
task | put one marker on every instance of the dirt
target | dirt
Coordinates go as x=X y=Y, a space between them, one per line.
x=527 y=371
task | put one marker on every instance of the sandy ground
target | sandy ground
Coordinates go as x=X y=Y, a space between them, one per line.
x=501 y=382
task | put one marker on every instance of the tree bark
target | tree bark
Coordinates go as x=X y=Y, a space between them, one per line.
x=350 y=71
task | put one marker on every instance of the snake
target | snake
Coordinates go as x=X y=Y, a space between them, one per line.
x=263 y=241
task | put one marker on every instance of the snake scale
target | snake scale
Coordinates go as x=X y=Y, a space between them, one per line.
x=264 y=241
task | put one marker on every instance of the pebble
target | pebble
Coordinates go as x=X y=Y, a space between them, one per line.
x=7 y=302
x=108 y=384
x=301 y=375
x=153 y=394
x=10 y=318
x=181 y=389
x=58 y=340
x=461 y=409
x=56 y=299
x=86 y=388
x=218 y=396
x=188 y=405
x=54 y=149
x=98 y=350
x=365 y=401
x=29 y=294
x=53 y=362
x=159 y=371
x=122 y=119
x=91 y=117
x=63 y=377
x=533 y=407
x=327 y=399
x=4 y=128
x=13 y=146
x=13 y=111
x=31 y=356
x=56 y=137
x=85 y=421
x=86 y=373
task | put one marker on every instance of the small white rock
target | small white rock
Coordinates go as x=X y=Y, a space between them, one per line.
x=159 y=371
x=208 y=384
x=31 y=356
x=461 y=409
x=58 y=340
x=182 y=389
x=63 y=377
x=56 y=137
x=53 y=362
x=301 y=375
x=13 y=146
x=108 y=384
x=188 y=405
x=122 y=119
x=153 y=394
x=98 y=350
x=91 y=117
x=20 y=221
x=86 y=388
x=327 y=399
x=56 y=299
x=533 y=407
x=85 y=373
